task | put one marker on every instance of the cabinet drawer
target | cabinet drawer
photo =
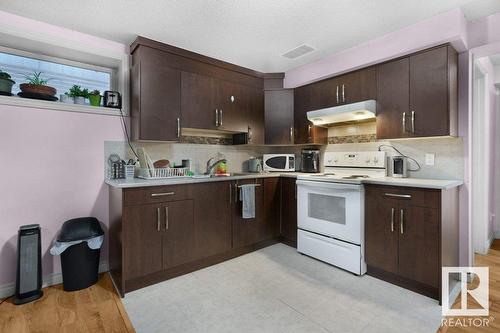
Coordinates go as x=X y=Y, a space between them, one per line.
x=415 y=196
x=156 y=194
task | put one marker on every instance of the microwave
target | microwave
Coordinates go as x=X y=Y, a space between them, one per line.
x=278 y=162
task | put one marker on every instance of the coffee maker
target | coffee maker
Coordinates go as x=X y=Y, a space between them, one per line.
x=310 y=160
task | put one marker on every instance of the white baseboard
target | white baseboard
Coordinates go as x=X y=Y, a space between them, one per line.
x=9 y=289
x=497 y=234
x=455 y=292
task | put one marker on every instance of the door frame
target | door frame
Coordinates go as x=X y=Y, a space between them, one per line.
x=479 y=151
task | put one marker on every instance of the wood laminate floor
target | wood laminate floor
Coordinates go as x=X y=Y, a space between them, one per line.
x=95 y=309
x=491 y=260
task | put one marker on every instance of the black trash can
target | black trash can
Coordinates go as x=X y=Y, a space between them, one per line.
x=80 y=263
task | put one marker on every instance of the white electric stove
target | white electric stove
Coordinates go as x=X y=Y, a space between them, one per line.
x=330 y=208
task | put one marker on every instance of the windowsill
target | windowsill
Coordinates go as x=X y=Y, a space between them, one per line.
x=58 y=106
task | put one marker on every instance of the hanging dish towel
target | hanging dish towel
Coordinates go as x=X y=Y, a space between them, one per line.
x=247 y=198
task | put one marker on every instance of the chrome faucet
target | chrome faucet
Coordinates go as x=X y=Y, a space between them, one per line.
x=211 y=166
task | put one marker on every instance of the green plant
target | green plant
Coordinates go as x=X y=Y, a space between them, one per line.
x=77 y=91
x=5 y=75
x=36 y=79
x=95 y=92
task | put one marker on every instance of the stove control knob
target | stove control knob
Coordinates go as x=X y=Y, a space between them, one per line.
x=368 y=161
x=330 y=161
x=375 y=160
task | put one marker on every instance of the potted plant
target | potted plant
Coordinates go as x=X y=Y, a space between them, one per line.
x=66 y=98
x=6 y=83
x=78 y=94
x=95 y=98
x=35 y=84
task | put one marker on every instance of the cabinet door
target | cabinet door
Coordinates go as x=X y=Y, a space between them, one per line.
x=381 y=230
x=178 y=247
x=359 y=86
x=270 y=227
x=419 y=244
x=279 y=116
x=142 y=239
x=289 y=210
x=429 y=93
x=199 y=101
x=234 y=102
x=305 y=131
x=393 y=98
x=247 y=231
x=256 y=127
x=159 y=107
x=212 y=218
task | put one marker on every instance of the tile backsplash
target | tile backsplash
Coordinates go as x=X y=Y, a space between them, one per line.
x=448 y=151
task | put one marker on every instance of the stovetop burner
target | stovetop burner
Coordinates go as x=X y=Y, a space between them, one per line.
x=325 y=175
x=356 y=177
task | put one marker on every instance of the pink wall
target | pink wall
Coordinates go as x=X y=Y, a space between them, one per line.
x=484 y=31
x=52 y=171
x=448 y=27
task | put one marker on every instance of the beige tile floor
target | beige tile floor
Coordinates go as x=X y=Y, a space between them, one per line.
x=277 y=289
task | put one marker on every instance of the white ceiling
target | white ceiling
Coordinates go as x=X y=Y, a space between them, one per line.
x=252 y=33
x=495 y=59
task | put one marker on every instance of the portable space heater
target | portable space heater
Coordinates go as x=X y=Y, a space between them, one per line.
x=29 y=264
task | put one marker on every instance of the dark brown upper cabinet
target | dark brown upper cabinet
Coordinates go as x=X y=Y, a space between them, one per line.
x=279 y=116
x=199 y=100
x=156 y=97
x=417 y=95
x=174 y=88
x=357 y=86
x=305 y=131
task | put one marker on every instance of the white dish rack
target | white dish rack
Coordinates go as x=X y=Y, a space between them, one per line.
x=163 y=173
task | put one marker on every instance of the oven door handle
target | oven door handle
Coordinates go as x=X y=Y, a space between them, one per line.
x=329 y=185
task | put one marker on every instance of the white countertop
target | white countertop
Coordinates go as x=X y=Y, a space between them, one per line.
x=441 y=184
x=138 y=182
x=408 y=182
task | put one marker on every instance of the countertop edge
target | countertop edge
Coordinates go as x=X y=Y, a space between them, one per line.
x=404 y=182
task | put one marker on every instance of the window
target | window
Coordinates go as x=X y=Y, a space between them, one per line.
x=62 y=74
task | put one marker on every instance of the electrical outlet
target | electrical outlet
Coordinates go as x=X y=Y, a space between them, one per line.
x=429 y=159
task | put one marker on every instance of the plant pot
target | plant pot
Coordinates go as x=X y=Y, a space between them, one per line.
x=95 y=100
x=6 y=85
x=79 y=100
x=66 y=99
x=37 y=89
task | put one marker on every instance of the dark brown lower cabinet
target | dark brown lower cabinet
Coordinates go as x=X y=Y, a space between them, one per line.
x=157 y=233
x=289 y=211
x=410 y=233
x=212 y=213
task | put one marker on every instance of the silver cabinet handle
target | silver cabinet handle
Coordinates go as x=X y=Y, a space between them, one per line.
x=309 y=132
x=343 y=93
x=401 y=221
x=392 y=219
x=158 y=227
x=235 y=193
x=230 y=193
x=220 y=117
x=250 y=134
x=178 y=127
x=406 y=196
x=404 y=122
x=337 y=94
x=216 y=118
x=413 y=121
x=164 y=194
x=291 y=134
x=254 y=185
x=166 y=217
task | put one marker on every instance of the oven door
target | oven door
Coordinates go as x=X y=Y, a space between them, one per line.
x=331 y=209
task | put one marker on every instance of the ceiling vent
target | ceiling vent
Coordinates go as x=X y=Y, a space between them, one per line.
x=298 y=51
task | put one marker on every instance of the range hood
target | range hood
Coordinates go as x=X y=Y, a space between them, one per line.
x=343 y=113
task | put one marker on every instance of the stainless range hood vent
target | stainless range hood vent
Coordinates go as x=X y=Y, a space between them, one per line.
x=343 y=113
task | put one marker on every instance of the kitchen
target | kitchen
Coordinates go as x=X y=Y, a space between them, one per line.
x=236 y=176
